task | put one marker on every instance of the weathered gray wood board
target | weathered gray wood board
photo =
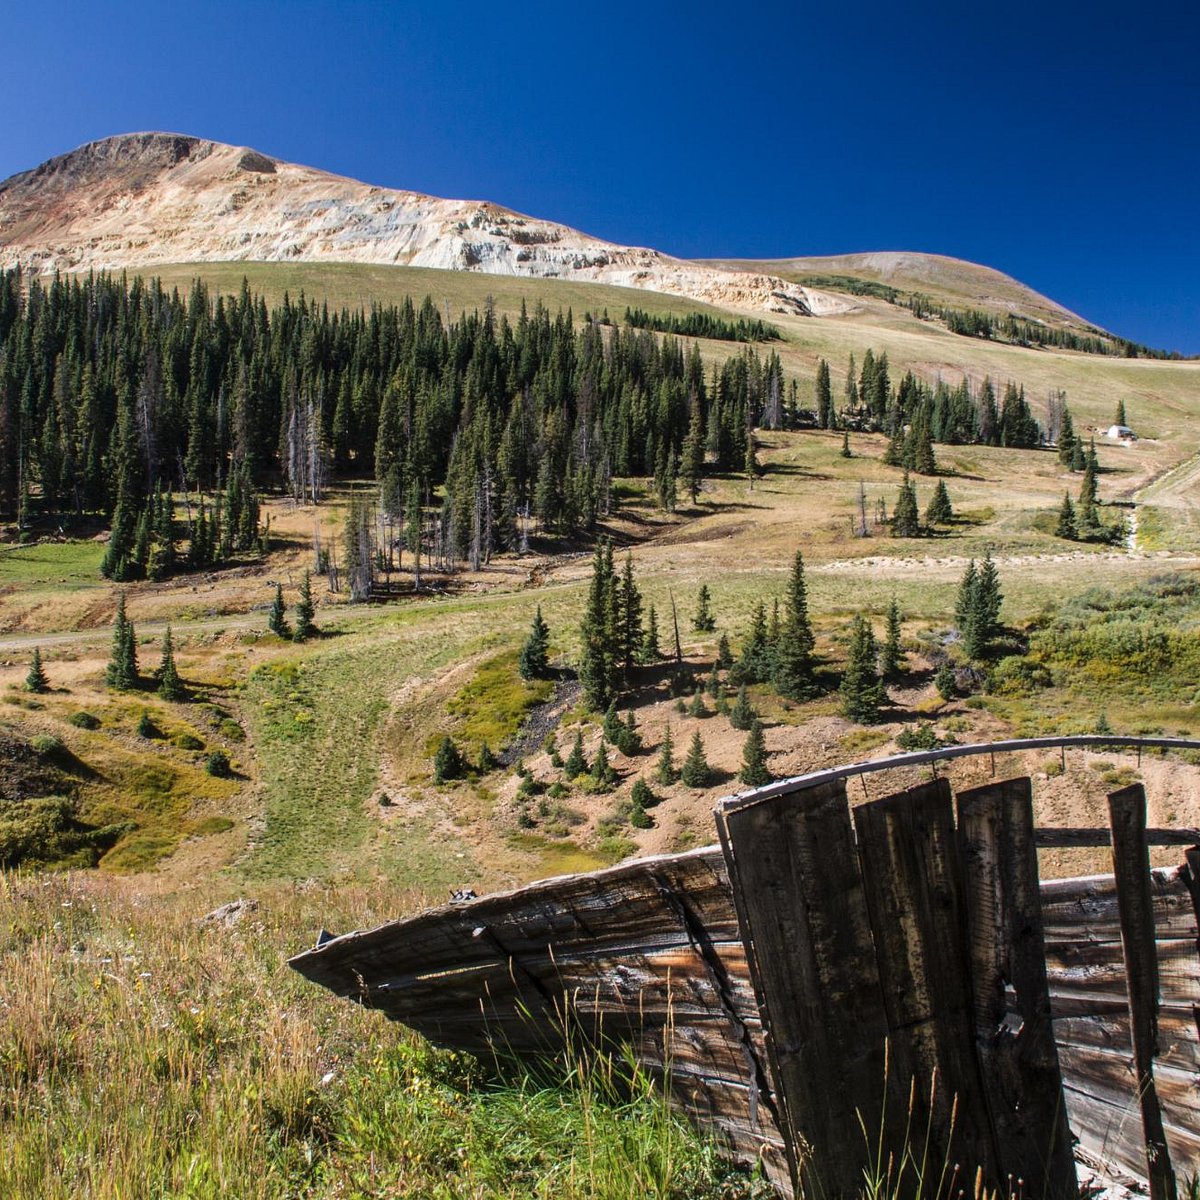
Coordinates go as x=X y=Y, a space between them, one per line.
x=647 y=953
x=651 y=952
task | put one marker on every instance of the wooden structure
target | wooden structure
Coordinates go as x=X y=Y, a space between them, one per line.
x=898 y=965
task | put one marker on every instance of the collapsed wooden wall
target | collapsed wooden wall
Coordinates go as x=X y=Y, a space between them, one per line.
x=650 y=953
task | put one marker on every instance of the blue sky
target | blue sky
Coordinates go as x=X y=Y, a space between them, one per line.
x=1058 y=142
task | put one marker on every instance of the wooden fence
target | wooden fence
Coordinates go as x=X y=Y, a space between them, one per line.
x=775 y=984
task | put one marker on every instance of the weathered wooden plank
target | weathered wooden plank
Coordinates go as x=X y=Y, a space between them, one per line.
x=911 y=881
x=1058 y=837
x=1131 y=868
x=798 y=890
x=1014 y=1036
x=1086 y=908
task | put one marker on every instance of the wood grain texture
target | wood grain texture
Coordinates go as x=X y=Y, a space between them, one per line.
x=1014 y=1034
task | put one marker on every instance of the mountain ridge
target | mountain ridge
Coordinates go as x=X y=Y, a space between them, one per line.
x=153 y=198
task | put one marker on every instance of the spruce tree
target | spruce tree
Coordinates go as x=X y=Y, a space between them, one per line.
x=597 y=661
x=861 y=690
x=664 y=770
x=36 y=680
x=846 y=451
x=577 y=763
x=1066 y=528
x=602 y=772
x=792 y=665
x=742 y=714
x=1067 y=441
x=691 y=465
x=966 y=595
x=277 y=617
x=448 y=762
x=650 y=650
x=906 y=521
x=939 y=510
x=754 y=666
x=122 y=671
x=724 y=653
x=755 y=772
x=533 y=661
x=704 y=621
x=824 y=396
x=1087 y=522
x=697 y=708
x=628 y=740
x=695 y=771
x=630 y=635
x=890 y=656
x=305 y=610
x=612 y=723
x=1120 y=417
x=945 y=682
x=170 y=686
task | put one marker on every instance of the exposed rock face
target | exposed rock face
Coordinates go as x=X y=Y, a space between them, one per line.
x=149 y=198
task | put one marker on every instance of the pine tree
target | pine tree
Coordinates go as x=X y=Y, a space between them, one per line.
x=650 y=650
x=628 y=740
x=945 y=682
x=1066 y=528
x=754 y=772
x=597 y=664
x=664 y=771
x=939 y=511
x=724 y=653
x=577 y=763
x=824 y=396
x=990 y=597
x=1067 y=441
x=533 y=661
x=1120 y=417
x=630 y=635
x=448 y=762
x=846 y=452
x=890 y=656
x=704 y=621
x=906 y=521
x=122 y=671
x=754 y=666
x=1087 y=522
x=966 y=595
x=695 y=771
x=277 y=618
x=602 y=772
x=697 y=707
x=691 y=465
x=170 y=686
x=977 y=609
x=36 y=680
x=742 y=714
x=792 y=665
x=612 y=724
x=305 y=611
x=861 y=690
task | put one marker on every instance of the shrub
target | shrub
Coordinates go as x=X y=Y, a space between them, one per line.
x=1017 y=675
x=217 y=765
x=187 y=741
x=924 y=737
x=46 y=744
x=83 y=720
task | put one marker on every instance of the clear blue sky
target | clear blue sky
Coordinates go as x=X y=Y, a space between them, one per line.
x=1059 y=142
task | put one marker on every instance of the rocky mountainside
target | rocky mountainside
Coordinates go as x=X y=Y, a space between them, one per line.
x=143 y=199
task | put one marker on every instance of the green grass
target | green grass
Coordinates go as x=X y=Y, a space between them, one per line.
x=67 y=565
x=492 y=706
x=147 y=1054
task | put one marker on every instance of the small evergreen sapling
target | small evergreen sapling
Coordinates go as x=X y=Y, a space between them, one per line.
x=939 y=510
x=641 y=795
x=906 y=521
x=602 y=773
x=170 y=686
x=534 y=658
x=612 y=724
x=890 y=656
x=664 y=771
x=861 y=690
x=36 y=680
x=945 y=682
x=704 y=621
x=305 y=611
x=577 y=763
x=755 y=772
x=277 y=618
x=697 y=708
x=1066 y=527
x=448 y=762
x=724 y=653
x=628 y=740
x=695 y=771
x=122 y=670
x=742 y=714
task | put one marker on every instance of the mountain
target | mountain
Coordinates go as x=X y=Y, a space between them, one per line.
x=948 y=281
x=143 y=199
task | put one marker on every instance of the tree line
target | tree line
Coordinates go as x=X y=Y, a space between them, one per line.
x=116 y=393
x=703 y=325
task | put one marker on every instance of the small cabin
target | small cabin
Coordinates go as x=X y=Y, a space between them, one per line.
x=1120 y=433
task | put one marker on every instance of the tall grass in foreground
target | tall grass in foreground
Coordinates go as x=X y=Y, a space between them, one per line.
x=144 y=1053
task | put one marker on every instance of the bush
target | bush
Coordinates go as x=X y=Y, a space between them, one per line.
x=1017 y=675
x=187 y=741
x=640 y=819
x=217 y=765
x=84 y=720
x=945 y=681
x=642 y=796
x=924 y=737
x=47 y=745
x=146 y=727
